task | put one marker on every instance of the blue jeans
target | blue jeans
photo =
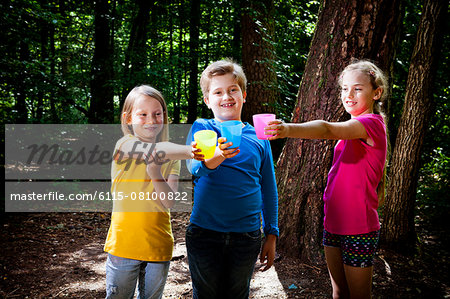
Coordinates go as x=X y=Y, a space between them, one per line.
x=221 y=264
x=122 y=275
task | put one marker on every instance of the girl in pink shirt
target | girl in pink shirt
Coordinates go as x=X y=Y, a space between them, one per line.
x=356 y=178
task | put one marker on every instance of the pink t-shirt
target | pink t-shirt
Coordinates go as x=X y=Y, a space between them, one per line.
x=350 y=198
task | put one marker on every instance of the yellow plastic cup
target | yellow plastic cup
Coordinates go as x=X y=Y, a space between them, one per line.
x=206 y=141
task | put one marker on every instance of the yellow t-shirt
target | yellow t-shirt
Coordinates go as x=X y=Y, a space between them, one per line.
x=140 y=226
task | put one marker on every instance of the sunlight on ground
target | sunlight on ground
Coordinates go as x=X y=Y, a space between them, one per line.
x=266 y=285
x=92 y=259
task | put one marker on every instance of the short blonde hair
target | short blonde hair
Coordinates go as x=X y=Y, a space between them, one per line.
x=376 y=76
x=128 y=109
x=220 y=68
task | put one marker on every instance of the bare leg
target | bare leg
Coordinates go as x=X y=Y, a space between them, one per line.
x=359 y=281
x=335 y=265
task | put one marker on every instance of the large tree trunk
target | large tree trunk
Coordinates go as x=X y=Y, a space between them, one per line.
x=345 y=29
x=194 y=41
x=398 y=227
x=101 y=108
x=258 y=56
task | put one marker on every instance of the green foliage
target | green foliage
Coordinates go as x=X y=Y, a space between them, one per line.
x=292 y=49
x=47 y=50
x=433 y=185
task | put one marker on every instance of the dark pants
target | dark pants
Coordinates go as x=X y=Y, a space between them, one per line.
x=221 y=264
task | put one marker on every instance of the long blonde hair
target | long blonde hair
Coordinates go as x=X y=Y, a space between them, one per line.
x=377 y=79
x=128 y=108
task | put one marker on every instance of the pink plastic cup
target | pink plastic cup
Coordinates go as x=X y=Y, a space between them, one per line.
x=260 y=121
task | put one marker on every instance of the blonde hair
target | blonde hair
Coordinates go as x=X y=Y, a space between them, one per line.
x=128 y=109
x=377 y=79
x=220 y=68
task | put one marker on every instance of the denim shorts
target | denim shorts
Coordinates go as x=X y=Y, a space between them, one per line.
x=357 y=250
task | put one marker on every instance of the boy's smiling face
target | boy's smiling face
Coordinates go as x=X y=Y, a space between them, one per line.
x=225 y=98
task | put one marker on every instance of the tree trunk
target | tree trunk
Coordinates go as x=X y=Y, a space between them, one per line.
x=398 y=226
x=258 y=56
x=21 y=90
x=136 y=55
x=44 y=34
x=205 y=111
x=180 y=65
x=194 y=41
x=345 y=29
x=101 y=108
x=237 y=31
x=176 y=104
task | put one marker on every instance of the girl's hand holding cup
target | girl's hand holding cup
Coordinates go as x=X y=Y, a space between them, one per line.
x=276 y=129
x=197 y=152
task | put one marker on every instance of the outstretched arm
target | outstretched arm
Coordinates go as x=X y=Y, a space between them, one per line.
x=316 y=129
x=136 y=149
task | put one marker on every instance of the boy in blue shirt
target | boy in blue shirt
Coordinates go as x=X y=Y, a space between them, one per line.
x=232 y=191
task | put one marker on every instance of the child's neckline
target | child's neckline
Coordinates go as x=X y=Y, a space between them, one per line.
x=216 y=122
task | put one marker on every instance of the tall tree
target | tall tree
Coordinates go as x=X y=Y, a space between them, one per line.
x=136 y=54
x=21 y=90
x=398 y=227
x=258 y=55
x=194 y=41
x=101 y=108
x=345 y=29
x=180 y=61
x=237 y=30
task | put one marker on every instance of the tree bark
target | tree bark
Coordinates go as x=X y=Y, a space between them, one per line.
x=345 y=30
x=44 y=34
x=194 y=41
x=398 y=231
x=136 y=55
x=101 y=108
x=21 y=90
x=258 y=55
x=237 y=31
x=180 y=61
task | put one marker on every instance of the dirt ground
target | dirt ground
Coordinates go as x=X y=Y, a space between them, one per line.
x=60 y=255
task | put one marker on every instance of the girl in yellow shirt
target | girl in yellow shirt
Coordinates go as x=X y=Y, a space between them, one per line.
x=140 y=241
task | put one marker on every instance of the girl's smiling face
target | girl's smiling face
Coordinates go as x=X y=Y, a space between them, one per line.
x=225 y=98
x=147 y=118
x=358 y=95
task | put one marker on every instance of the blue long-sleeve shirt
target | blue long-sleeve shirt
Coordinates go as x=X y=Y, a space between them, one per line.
x=231 y=197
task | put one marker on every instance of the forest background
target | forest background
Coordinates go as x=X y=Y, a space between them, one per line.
x=73 y=62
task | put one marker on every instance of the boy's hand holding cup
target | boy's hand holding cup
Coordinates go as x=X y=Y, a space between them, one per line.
x=226 y=149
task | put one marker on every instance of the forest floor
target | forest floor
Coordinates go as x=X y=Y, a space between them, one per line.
x=60 y=255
